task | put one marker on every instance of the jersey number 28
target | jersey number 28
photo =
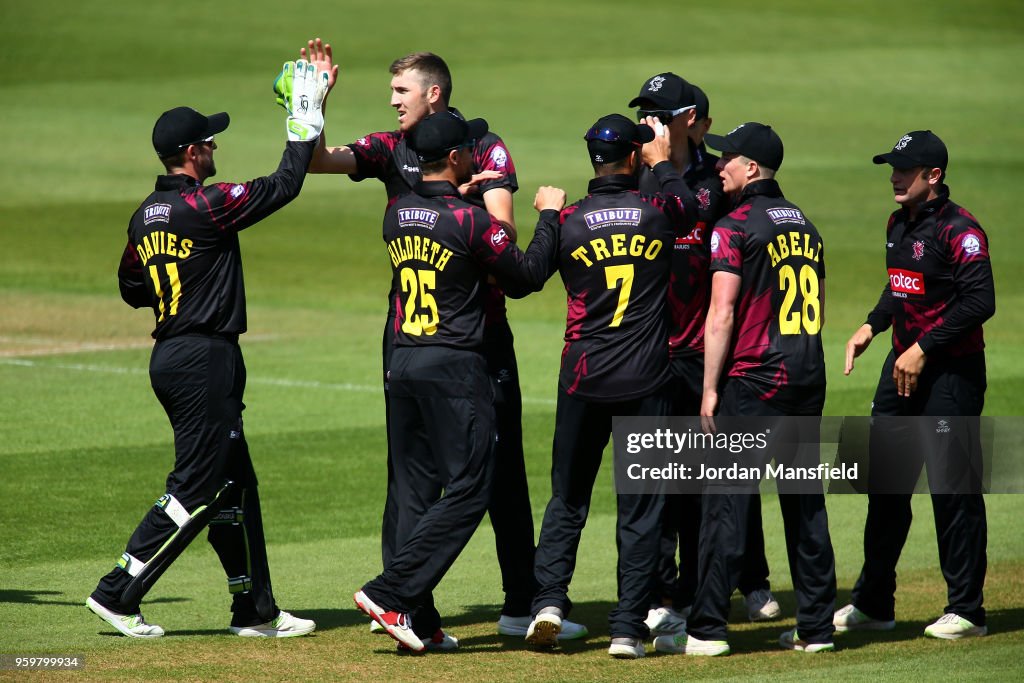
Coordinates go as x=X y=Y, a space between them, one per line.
x=808 y=315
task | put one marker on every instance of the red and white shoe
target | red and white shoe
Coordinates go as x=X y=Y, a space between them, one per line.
x=397 y=624
x=439 y=642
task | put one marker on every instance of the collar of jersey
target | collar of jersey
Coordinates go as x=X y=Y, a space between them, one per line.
x=931 y=207
x=762 y=188
x=175 y=182
x=620 y=182
x=436 y=188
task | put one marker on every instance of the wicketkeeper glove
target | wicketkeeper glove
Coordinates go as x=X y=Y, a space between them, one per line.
x=301 y=89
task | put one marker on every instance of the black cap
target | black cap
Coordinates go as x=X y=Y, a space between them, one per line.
x=437 y=134
x=665 y=91
x=916 y=148
x=183 y=126
x=753 y=140
x=702 y=102
x=614 y=136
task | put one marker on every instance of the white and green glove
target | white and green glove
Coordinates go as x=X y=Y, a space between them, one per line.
x=301 y=89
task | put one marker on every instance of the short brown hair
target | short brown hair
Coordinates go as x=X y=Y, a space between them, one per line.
x=432 y=69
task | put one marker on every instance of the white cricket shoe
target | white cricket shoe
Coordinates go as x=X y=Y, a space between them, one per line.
x=518 y=626
x=665 y=621
x=850 y=618
x=762 y=605
x=544 y=629
x=791 y=641
x=688 y=645
x=626 y=648
x=284 y=625
x=377 y=629
x=953 y=627
x=131 y=625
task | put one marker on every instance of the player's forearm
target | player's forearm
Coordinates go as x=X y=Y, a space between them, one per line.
x=527 y=271
x=717 y=334
x=675 y=188
x=498 y=202
x=338 y=160
x=880 y=317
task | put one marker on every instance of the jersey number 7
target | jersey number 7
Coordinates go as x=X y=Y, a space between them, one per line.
x=613 y=275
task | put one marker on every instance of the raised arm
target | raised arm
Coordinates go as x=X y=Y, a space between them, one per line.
x=326 y=159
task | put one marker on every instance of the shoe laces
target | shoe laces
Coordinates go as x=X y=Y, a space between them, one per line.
x=949 y=618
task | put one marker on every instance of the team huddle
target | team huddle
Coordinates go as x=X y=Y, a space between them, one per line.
x=694 y=288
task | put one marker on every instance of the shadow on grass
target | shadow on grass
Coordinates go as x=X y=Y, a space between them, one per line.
x=37 y=597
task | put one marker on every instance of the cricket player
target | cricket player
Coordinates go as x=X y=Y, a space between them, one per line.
x=183 y=262
x=421 y=85
x=939 y=293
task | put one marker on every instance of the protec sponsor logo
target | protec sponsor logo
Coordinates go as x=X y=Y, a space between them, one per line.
x=716 y=242
x=606 y=217
x=906 y=282
x=156 y=213
x=417 y=218
x=970 y=244
x=696 y=236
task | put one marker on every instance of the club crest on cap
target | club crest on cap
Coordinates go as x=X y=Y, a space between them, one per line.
x=903 y=142
x=656 y=83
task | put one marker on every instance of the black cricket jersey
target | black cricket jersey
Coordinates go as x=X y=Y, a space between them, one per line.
x=614 y=256
x=777 y=252
x=387 y=157
x=940 y=287
x=690 y=286
x=183 y=258
x=441 y=250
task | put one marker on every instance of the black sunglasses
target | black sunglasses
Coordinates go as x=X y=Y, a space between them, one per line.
x=606 y=135
x=663 y=115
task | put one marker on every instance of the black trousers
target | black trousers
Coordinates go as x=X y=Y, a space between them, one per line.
x=200 y=381
x=582 y=430
x=510 y=511
x=442 y=444
x=951 y=388
x=681 y=518
x=725 y=524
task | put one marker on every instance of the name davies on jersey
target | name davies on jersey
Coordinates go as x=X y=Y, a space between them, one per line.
x=160 y=242
x=414 y=247
x=598 y=249
x=794 y=244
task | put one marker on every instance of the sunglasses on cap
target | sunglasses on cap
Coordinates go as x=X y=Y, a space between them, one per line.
x=606 y=135
x=663 y=115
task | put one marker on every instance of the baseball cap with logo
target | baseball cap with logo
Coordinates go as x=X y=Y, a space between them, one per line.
x=665 y=91
x=180 y=127
x=614 y=136
x=441 y=132
x=916 y=148
x=753 y=140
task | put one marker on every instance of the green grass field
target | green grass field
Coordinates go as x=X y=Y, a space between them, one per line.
x=85 y=446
